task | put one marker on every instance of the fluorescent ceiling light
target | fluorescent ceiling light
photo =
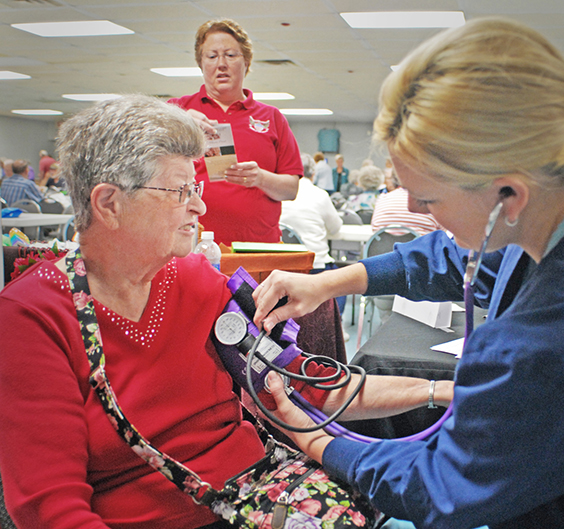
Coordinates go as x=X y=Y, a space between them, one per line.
x=38 y=112
x=80 y=28
x=272 y=96
x=404 y=19
x=6 y=74
x=306 y=111
x=91 y=97
x=178 y=72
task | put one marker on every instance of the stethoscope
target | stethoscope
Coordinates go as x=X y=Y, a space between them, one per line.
x=324 y=383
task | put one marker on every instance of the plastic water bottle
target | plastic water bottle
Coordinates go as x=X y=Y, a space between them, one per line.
x=209 y=248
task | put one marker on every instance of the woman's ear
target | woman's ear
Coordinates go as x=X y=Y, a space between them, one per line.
x=514 y=193
x=106 y=203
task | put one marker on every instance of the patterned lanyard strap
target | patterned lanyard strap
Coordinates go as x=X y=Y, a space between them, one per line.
x=186 y=480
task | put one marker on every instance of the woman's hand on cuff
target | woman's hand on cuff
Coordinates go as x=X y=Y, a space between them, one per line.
x=312 y=443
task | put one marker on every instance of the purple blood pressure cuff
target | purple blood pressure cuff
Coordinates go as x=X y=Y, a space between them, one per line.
x=235 y=333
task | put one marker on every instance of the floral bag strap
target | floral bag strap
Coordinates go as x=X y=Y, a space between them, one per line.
x=186 y=480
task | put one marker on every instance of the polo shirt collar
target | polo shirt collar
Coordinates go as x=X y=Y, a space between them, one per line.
x=246 y=104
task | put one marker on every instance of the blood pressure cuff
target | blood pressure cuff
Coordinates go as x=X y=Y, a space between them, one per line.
x=233 y=336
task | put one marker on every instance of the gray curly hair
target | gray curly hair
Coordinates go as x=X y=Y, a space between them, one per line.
x=370 y=177
x=120 y=142
x=309 y=165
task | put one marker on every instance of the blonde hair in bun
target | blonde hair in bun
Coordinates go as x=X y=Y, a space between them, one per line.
x=476 y=102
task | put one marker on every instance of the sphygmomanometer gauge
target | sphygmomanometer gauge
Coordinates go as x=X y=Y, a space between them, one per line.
x=231 y=328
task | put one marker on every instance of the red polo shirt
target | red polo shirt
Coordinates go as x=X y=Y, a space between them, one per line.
x=261 y=134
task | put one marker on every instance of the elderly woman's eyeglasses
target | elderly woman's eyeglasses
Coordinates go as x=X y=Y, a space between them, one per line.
x=185 y=192
x=229 y=56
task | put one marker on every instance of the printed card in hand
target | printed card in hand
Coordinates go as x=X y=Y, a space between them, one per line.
x=220 y=151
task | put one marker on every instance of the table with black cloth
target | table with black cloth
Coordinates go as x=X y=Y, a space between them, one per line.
x=401 y=346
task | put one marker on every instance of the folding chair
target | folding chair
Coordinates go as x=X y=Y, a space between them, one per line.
x=27 y=205
x=347 y=252
x=68 y=231
x=289 y=234
x=365 y=215
x=30 y=206
x=48 y=205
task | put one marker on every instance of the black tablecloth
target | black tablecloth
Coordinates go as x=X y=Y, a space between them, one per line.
x=401 y=346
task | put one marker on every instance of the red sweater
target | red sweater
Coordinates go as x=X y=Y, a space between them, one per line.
x=63 y=465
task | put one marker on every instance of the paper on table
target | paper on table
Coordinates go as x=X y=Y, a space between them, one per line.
x=220 y=151
x=434 y=314
x=454 y=347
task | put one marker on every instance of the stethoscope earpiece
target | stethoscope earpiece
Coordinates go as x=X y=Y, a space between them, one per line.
x=506 y=192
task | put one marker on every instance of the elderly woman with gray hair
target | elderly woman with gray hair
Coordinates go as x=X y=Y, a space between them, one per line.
x=129 y=167
x=371 y=180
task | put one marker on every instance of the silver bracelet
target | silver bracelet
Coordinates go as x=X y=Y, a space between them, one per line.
x=431 y=405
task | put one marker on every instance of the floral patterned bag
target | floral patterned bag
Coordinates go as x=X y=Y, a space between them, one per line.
x=288 y=490
x=284 y=490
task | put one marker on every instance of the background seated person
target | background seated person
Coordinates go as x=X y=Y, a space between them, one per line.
x=8 y=167
x=52 y=177
x=371 y=180
x=393 y=208
x=137 y=207
x=19 y=186
x=351 y=187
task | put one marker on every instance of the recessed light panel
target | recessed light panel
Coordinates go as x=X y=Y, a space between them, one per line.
x=91 y=97
x=272 y=96
x=79 y=28
x=404 y=19
x=37 y=112
x=178 y=72
x=6 y=75
x=306 y=111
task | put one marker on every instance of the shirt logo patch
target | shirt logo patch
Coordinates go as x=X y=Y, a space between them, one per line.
x=258 y=126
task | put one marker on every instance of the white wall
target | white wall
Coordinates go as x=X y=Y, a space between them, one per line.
x=22 y=138
x=355 y=141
